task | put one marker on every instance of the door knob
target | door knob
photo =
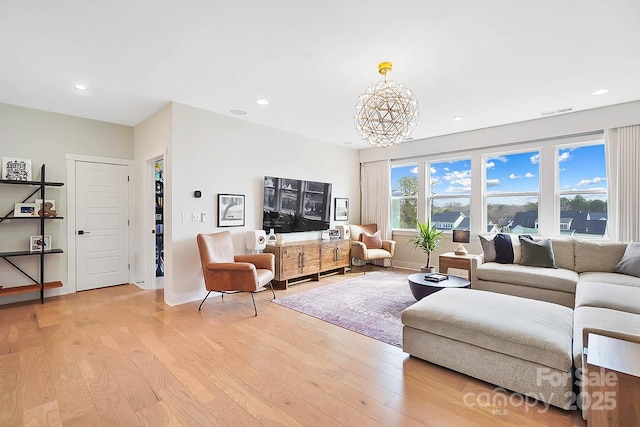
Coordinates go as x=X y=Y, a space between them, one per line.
x=81 y=232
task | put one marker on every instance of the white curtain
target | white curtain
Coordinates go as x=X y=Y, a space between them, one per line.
x=375 y=193
x=625 y=152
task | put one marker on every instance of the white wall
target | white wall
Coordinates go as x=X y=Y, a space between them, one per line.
x=152 y=139
x=219 y=154
x=47 y=138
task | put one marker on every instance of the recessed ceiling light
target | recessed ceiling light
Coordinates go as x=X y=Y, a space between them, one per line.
x=238 y=112
x=456 y=118
x=262 y=102
x=347 y=143
x=600 y=92
x=80 y=86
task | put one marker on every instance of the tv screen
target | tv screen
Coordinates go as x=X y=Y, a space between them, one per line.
x=294 y=205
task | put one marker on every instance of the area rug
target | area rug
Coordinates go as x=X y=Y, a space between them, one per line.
x=369 y=304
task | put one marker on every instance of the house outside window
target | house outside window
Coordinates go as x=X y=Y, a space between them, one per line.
x=582 y=181
x=449 y=198
x=404 y=196
x=512 y=189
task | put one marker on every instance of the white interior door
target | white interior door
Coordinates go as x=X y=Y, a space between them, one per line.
x=102 y=225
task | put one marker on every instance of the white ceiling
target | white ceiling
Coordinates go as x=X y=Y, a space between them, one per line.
x=491 y=62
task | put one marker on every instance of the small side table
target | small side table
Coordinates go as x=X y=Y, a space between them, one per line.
x=613 y=388
x=451 y=260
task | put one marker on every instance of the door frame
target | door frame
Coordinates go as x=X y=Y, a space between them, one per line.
x=150 y=215
x=72 y=159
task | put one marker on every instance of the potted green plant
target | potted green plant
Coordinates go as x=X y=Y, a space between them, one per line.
x=427 y=239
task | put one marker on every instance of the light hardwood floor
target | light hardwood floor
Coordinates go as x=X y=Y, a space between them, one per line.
x=121 y=357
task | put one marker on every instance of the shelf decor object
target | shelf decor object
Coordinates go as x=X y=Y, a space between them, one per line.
x=36 y=242
x=230 y=210
x=387 y=112
x=16 y=169
x=24 y=210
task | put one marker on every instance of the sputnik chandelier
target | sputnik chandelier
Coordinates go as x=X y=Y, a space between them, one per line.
x=386 y=112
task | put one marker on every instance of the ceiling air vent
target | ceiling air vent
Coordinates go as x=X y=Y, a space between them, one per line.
x=558 y=111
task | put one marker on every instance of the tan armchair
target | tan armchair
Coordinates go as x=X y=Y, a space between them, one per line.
x=369 y=249
x=225 y=272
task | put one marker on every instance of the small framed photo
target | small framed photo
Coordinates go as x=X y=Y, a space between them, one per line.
x=341 y=209
x=230 y=210
x=16 y=169
x=36 y=243
x=25 y=210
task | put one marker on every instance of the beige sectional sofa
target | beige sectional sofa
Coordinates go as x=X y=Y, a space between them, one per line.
x=604 y=301
x=464 y=331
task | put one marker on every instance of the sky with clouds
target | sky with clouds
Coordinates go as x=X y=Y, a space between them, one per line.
x=581 y=168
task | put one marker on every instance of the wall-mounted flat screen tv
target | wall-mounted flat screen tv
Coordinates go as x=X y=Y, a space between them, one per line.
x=294 y=205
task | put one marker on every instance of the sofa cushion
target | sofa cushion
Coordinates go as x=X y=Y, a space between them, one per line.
x=563 y=252
x=612 y=278
x=600 y=318
x=630 y=262
x=536 y=254
x=605 y=295
x=558 y=279
x=597 y=256
x=532 y=330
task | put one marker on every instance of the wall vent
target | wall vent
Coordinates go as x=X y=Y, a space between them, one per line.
x=558 y=111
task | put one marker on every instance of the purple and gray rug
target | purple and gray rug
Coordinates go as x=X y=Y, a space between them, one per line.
x=369 y=304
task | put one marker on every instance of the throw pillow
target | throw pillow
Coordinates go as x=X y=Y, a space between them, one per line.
x=537 y=254
x=630 y=262
x=504 y=248
x=372 y=241
x=488 y=247
x=507 y=250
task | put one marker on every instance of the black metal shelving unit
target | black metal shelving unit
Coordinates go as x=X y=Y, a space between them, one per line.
x=37 y=285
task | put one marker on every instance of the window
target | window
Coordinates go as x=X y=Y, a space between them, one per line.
x=512 y=189
x=582 y=190
x=404 y=196
x=449 y=198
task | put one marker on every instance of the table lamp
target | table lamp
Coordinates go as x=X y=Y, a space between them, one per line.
x=460 y=237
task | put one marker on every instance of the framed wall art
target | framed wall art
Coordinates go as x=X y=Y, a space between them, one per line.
x=36 y=242
x=341 y=209
x=16 y=169
x=230 y=210
x=24 y=210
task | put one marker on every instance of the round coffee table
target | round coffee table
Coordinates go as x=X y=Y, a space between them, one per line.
x=420 y=287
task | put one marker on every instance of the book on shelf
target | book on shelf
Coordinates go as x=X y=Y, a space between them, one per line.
x=436 y=277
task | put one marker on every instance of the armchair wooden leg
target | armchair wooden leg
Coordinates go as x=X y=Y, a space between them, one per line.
x=205 y=298
x=364 y=270
x=392 y=268
x=272 y=291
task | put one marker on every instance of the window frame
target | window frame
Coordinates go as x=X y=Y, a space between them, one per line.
x=559 y=193
x=428 y=199
x=548 y=199
x=406 y=163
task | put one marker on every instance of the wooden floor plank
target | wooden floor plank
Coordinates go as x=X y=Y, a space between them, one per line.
x=121 y=356
x=158 y=415
x=11 y=406
x=45 y=415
